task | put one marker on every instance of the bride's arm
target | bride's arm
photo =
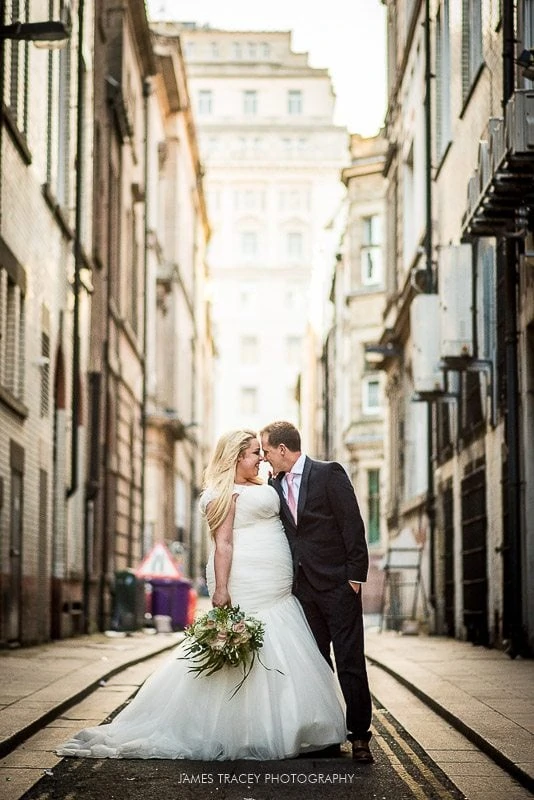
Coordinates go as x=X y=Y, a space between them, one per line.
x=224 y=547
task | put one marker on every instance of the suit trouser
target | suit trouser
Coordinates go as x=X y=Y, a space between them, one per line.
x=335 y=616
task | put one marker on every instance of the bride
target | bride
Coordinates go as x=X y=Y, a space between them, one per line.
x=290 y=703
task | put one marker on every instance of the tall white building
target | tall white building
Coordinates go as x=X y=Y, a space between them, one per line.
x=272 y=158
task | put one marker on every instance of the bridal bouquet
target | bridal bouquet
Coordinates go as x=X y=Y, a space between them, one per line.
x=224 y=636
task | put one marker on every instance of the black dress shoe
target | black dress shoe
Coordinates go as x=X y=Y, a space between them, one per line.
x=361 y=752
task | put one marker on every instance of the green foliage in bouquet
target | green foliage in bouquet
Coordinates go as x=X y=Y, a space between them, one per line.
x=224 y=636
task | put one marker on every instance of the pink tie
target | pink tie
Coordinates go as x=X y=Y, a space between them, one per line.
x=291 y=494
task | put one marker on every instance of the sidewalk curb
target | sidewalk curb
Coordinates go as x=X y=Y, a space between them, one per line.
x=11 y=742
x=486 y=747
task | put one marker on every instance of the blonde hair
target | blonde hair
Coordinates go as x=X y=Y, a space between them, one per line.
x=219 y=477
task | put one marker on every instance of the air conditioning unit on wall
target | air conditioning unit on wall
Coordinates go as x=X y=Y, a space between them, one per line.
x=425 y=332
x=455 y=301
x=519 y=122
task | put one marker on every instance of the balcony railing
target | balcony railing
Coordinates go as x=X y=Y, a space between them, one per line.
x=500 y=191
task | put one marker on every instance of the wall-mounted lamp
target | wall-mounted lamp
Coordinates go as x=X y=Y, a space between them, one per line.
x=435 y=397
x=526 y=62
x=47 y=34
x=377 y=354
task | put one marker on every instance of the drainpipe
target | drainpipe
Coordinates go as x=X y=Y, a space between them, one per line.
x=147 y=89
x=430 y=287
x=92 y=488
x=326 y=399
x=105 y=456
x=429 y=278
x=194 y=566
x=514 y=534
x=75 y=407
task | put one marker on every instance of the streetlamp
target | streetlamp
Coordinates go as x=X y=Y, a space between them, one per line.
x=41 y=33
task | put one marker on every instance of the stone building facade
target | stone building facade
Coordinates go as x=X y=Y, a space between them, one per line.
x=180 y=346
x=106 y=346
x=355 y=410
x=272 y=157
x=456 y=333
x=123 y=65
x=45 y=287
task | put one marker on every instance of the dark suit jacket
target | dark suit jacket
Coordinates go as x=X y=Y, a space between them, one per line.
x=329 y=540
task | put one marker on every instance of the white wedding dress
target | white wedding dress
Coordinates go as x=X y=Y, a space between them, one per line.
x=275 y=714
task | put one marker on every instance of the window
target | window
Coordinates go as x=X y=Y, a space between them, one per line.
x=371 y=266
x=133 y=265
x=373 y=506
x=372 y=230
x=291 y=299
x=189 y=49
x=249 y=243
x=252 y=51
x=294 y=244
x=63 y=127
x=248 y=294
x=409 y=235
x=371 y=253
x=250 y=102
x=205 y=101
x=294 y=101
x=45 y=374
x=265 y=50
x=12 y=338
x=237 y=49
x=249 y=400
x=215 y=50
x=16 y=68
x=249 y=349
x=471 y=43
x=371 y=396
x=287 y=144
x=249 y=200
x=486 y=278
x=293 y=349
x=213 y=144
x=443 y=78
x=116 y=225
x=292 y=200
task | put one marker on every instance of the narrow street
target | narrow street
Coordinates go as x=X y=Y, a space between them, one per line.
x=303 y=778
x=401 y=771
x=402 y=768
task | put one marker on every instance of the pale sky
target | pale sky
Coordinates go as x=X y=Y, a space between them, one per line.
x=345 y=36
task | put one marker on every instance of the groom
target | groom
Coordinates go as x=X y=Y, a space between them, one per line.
x=326 y=535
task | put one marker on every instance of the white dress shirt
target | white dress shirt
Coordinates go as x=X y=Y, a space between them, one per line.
x=297 y=469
